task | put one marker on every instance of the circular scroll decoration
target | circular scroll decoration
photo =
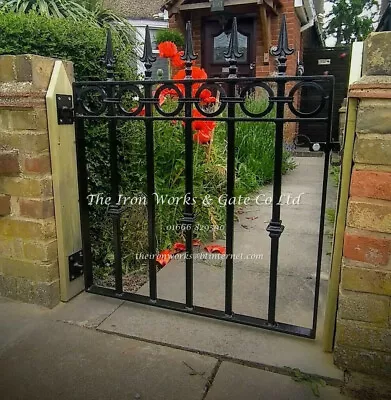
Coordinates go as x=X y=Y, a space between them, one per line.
x=93 y=100
x=206 y=93
x=252 y=91
x=301 y=140
x=318 y=90
x=129 y=100
x=173 y=92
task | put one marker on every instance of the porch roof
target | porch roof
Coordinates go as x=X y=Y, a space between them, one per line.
x=199 y=4
x=140 y=9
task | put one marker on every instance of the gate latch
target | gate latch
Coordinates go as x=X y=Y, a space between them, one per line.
x=64 y=109
x=75 y=262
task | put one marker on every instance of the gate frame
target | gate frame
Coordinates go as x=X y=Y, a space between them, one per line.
x=147 y=101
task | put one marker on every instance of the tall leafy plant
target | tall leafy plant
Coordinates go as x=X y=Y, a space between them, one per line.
x=90 y=12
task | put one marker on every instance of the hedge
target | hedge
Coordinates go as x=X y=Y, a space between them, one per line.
x=63 y=39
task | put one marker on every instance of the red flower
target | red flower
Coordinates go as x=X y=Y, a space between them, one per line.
x=166 y=92
x=206 y=93
x=141 y=113
x=179 y=247
x=203 y=136
x=196 y=73
x=202 y=124
x=176 y=60
x=164 y=257
x=209 y=100
x=215 y=249
x=167 y=49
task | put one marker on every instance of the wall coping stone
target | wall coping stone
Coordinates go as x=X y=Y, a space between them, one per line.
x=373 y=87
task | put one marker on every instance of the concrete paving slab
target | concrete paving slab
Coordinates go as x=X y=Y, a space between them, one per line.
x=234 y=382
x=295 y=294
x=86 y=310
x=17 y=321
x=297 y=253
x=221 y=338
x=64 y=362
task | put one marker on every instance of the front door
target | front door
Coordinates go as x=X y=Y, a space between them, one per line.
x=216 y=36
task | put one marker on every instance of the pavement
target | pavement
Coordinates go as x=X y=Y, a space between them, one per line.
x=64 y=354
x=96 y=347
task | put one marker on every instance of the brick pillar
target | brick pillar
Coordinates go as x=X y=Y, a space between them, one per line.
x=363 y=335
x=28 y=246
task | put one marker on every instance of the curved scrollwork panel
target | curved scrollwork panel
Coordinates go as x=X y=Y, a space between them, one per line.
x=318 y=108
x=251 y=90
x=130 y=100
x=213 y=108
x=172 y=90
x=92 y=100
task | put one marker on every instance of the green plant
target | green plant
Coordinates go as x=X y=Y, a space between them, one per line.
x=170 y=35
x=335 y=172
x=313 y=381
x=64 y=39
x=89 y=12
x=330 y=215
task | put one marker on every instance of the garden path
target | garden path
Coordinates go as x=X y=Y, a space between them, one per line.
x=297 y=255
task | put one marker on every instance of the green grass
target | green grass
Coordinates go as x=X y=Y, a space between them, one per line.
x=335 y=172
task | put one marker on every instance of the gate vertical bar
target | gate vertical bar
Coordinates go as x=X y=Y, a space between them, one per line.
x=114 y=208
x=188 y=215
x=323 y=208
x=230 y=204
x=275 y=227
x=232 y=53
x=148 y=58
x=83 y=200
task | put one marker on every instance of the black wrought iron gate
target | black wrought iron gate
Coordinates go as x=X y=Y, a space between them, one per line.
x=233 y=91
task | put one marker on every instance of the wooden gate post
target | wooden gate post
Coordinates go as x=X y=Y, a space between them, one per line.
x=342 y=203
x=65 y=186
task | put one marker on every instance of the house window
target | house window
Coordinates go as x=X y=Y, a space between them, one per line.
x=221 y=43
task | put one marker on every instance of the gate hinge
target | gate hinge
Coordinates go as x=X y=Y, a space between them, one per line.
x=75 y=262
x=64 y=109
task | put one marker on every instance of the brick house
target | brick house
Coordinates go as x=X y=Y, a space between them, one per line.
x=258 y=26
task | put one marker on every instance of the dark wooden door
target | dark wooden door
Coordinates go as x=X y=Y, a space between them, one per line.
x=325 y=61
x=215 y=40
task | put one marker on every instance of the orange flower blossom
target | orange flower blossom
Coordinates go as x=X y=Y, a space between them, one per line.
x=167 y=49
